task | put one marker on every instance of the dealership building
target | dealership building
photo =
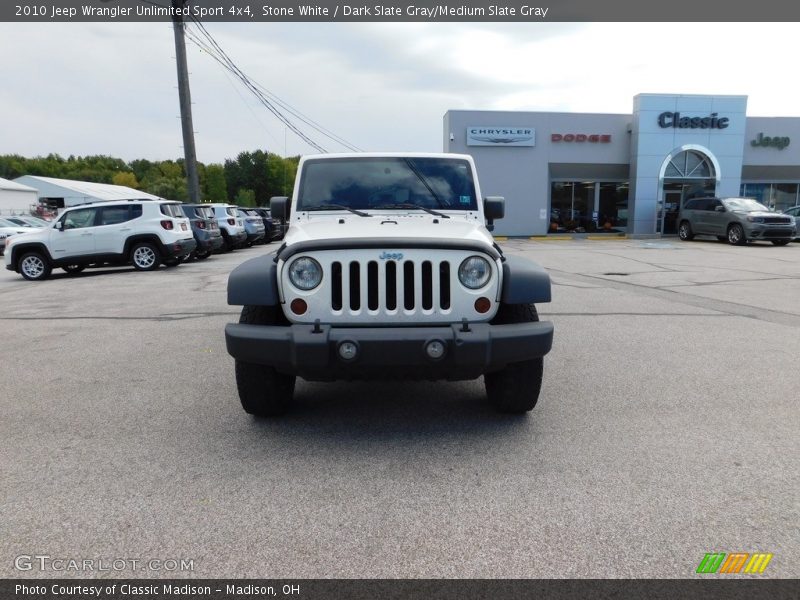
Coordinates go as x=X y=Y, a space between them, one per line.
x=612 y=173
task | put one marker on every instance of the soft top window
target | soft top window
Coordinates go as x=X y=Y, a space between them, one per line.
x=386 y=183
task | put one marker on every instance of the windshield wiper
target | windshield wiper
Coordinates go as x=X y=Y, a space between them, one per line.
x=424 y=181
x=413 y=206
x=336 y=207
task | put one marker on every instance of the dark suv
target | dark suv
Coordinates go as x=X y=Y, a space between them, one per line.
x=735 y=220
x=274 y=227
x=205 y=229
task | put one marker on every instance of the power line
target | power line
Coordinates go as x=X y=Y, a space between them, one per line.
x=267 y=98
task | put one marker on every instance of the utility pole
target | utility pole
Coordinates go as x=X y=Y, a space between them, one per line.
x=189 y=152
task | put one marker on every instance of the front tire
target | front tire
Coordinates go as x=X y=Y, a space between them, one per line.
x=736 y=235
x=515 y=389
x=685 y=231
x=145 y=257
x=263 y=391
x=33 y=266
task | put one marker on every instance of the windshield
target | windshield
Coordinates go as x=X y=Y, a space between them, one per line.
x=745 y=204
x=204 y=212
x=232 y=212
x=395 y=182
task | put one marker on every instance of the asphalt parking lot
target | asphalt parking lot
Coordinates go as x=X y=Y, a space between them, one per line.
x=667 y=427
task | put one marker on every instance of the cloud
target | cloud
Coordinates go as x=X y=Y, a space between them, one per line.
x=110 y=88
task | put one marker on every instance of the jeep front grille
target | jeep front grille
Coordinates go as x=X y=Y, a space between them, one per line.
x=385 y=285
x=414 y=287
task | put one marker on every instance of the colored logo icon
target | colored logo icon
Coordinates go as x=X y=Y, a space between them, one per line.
x=716 y=562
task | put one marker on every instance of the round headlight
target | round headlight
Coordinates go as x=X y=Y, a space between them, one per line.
x=305 y=273
x=474 y=272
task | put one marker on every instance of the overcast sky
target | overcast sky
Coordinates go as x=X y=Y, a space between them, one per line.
x=80 y=88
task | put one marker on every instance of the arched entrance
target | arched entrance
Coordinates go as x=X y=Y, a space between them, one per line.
x=688 y=172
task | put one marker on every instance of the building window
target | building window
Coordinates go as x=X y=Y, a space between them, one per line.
x=777 y=196
x=613 y=205
x=588 y=206
x=689 y=165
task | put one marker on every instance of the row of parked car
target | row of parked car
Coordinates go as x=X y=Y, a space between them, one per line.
x=144 y=233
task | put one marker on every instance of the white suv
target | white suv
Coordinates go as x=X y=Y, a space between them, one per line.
x=144 y=233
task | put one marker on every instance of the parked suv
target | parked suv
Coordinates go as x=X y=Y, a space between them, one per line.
x=735 y=220
x=274 y=228
x=144 y=233
x=205 y=229
x=794 y=212
x=231 y=225
x=388 y=270
x=253 y=225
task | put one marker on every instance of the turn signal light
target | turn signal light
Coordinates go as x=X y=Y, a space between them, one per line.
x=299 y=306
x=482 y=305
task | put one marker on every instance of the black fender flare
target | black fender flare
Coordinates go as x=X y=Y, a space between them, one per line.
x=524 y=281
x=142 y=237
x=19 y=249
x=254 y=282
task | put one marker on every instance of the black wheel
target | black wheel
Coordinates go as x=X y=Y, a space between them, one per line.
x=516 y=388
x=73 y=269
x=34 y=266
x=722 y=238
x=228 y=245
x=262 y=390
x=203 y=255
x=780 y=242
x=736 y=235
x=145 y=256
x=685 y=231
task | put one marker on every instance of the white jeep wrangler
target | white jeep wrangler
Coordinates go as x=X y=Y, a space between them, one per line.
x=388 y=271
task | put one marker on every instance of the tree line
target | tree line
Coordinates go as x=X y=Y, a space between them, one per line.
x=250 y=179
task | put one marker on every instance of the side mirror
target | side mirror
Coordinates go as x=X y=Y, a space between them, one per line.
x=719 y=208
x=494 y=207
x=59 y=225
x=278 y=207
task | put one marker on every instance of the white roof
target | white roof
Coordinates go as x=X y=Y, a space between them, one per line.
x=5 y=184
x=100 y=191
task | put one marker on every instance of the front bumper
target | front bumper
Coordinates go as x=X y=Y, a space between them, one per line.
x=388 y=352
x=770 y=232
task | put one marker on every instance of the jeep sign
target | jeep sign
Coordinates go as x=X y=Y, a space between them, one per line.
x=501 y=136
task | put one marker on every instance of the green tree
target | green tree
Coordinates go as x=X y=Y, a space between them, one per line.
x=125 y=178
x=245 y=197
x=215 y=189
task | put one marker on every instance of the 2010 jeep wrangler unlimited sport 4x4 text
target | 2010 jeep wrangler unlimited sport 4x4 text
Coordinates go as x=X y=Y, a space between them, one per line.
x=388 y=270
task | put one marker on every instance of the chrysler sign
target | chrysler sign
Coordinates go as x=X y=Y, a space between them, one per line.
x=501 y=136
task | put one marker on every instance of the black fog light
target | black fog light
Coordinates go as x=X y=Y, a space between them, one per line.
x=348 y=350
x=435 y=349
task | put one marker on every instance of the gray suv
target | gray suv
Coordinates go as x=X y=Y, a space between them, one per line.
x=735 y=220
